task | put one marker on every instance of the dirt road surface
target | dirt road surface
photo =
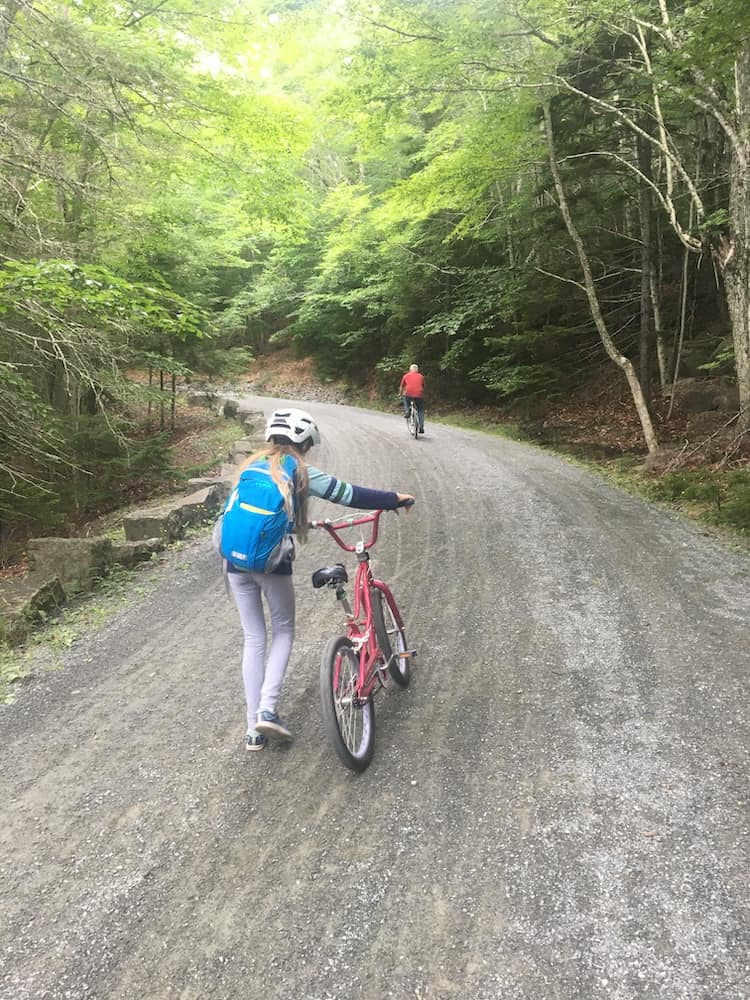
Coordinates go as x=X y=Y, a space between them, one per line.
x=558 y=805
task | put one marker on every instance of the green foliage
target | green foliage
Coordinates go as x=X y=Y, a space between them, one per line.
x=721 y=498
x=70 y=331
x=722 y=359
x=701 y=486
x=13 y=668
x=209 y=449
x=735 y=509
x=28 y=504
x=43 y=294
x=29 y=427
x=107 y=466
x=371 y=185
x=225 y=363
x=143 y=165
x=512 y=380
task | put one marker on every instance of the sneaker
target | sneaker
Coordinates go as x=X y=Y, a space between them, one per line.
x=255 y=741
x=421 y=430
x=270 y=723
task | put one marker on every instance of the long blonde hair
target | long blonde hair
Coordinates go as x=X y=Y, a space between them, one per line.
x=296 y=504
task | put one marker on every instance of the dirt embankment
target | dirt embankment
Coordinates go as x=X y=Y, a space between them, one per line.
x=282 y=375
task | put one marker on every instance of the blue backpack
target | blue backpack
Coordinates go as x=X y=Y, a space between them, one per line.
x=256 y=530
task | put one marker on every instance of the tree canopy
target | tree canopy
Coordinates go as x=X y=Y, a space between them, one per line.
x=508 y=191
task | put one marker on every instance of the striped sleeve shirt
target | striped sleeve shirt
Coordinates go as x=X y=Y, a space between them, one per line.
x=329 y=488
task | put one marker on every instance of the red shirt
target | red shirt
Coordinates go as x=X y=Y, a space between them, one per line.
x=412 y=384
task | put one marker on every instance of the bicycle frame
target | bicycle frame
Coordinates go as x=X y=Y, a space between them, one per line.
x=359 y=622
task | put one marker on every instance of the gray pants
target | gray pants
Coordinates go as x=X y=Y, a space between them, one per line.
x=263 y=677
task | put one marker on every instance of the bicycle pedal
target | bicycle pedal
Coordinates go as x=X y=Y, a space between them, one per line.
x=407 y=654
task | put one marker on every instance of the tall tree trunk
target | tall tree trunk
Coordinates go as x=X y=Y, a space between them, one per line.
x=716 y=152
x=590 y=288
x=681 y=326
x=647 y=253
x=735 y=257
x=663 y=354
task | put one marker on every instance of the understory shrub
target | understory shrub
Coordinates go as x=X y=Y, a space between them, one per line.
x=109 y=466
x=718 y=496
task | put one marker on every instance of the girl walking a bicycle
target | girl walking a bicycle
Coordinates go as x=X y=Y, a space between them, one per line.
x=289 y=432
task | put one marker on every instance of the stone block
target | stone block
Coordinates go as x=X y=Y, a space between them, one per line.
x=698 y=395
x=152 y=522
x=24 y=602
x=79 y=560
x=252 y=420
x=202 y=505
x=128 y=554
x=198 y=398
x=239 y=450
x=169 y=521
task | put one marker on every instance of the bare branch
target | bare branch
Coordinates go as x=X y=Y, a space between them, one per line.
x=559 y=277
x=404 y=34
x=534 y=30
x=715 y=106
x=426 y=263
x=665 y=150
x=688 y=241
x=591 y=294
x=136 y=18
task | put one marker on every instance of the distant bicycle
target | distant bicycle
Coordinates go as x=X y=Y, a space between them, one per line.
x=412 y=420
x=356 y=666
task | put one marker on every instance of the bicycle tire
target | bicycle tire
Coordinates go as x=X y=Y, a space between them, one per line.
x=388 y=632
x=350 y=727
x=414 y=422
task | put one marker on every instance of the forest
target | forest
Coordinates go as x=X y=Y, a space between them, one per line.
x=517 y=193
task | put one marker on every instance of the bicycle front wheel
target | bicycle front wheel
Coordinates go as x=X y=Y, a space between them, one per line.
x=391 y=638
x=349 y=721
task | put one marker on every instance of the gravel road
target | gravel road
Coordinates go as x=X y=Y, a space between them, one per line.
x=558 y=805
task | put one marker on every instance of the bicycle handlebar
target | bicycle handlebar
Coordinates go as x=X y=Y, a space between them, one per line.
x=334 y=527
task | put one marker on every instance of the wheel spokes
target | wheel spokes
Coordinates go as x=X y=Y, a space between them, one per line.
x=351 y=717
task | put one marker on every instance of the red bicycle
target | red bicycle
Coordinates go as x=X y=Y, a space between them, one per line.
x=356 y=666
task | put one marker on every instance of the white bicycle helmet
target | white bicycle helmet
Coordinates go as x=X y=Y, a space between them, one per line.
x=297 y=426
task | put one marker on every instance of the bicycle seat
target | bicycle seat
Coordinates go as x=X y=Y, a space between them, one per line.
x=330 y=574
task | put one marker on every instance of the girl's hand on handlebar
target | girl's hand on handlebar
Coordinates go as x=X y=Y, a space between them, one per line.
x=406 y=500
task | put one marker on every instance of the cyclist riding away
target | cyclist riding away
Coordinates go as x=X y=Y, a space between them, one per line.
x=412 y=388
x=290 y=433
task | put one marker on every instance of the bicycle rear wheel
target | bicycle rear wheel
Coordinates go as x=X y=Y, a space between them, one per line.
x=391 y=638
x=413 y=421
x=350 y=722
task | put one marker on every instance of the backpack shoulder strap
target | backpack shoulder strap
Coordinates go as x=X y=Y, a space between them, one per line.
x=288 y=466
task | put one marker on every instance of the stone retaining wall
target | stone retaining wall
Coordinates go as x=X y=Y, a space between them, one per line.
x=62 y=567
